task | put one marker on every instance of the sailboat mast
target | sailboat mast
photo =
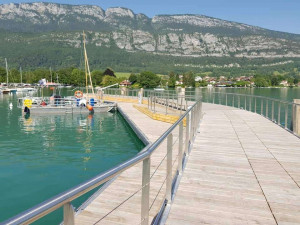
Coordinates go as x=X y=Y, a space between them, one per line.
x=6 y=72
x=50 y=73
x=21 y=76
x=85 y=64
x=87 y=68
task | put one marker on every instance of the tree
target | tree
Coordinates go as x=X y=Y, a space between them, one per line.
x=189 y=79
x=2 y=74
x=148 y=79
x=109 y=80
x=77 y=78
x=133 y=78
x=172 y=80
x=275 y=81
x=109 y=72
x=261 y=82
x=97 y=77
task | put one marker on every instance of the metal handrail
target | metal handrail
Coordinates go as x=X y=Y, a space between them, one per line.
x=267 y=110
x=66 y=197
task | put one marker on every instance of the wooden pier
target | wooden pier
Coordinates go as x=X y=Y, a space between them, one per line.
x=243 y=169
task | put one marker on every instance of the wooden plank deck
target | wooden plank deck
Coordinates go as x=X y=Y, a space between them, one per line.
x=243 y=169
x=101 y=210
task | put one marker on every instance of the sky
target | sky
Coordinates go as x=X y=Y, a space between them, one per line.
x=279 y=15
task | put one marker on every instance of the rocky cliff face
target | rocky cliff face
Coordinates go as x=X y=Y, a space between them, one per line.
x=176 y=35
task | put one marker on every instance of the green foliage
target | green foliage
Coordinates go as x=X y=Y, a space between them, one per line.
x=172 y=80
x=133 y=78
x=148 y=79
x=201 y=84
x=261 y=82
x=242 y=83
x=109 y=80
x=97 y=77
x=189 y=79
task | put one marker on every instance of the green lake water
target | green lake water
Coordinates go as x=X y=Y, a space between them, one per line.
x=42 y=156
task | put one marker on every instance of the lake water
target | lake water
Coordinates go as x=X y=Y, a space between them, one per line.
x=42 y=156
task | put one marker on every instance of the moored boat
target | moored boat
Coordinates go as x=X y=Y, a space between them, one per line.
x=58 y=105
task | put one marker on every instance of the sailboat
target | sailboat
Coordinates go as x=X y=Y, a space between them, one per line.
x=79 y=103
x=8 y=90
x=23 y=89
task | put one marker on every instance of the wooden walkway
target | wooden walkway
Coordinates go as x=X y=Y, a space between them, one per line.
x=243 y=169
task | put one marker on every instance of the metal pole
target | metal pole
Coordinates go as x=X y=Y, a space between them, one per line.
x=267 y=108
x=279 y=108
x=272 y=110
x=187 y=134
x=180 y=148
x=145 y=192
x=261 y=106
x=250 y=104
x=286 y=116
x=181 y=105
x=69 y=214
x=169 y=168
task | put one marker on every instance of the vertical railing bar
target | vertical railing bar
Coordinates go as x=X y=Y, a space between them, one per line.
x=286 y=116
x=187 y=134
x=279 y=115
x=169 y=168
x=180 y=148
x=261 y=106
x=69 y=215
x=145 y=192
x=267 y=108
x=272 y=110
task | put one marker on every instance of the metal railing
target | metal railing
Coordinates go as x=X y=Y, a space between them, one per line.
x=184 y=142
x=278 y=111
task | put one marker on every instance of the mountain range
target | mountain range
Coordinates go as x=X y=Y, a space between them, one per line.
x=48 y=34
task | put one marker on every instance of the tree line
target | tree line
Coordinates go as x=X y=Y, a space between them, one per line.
x=76 y=77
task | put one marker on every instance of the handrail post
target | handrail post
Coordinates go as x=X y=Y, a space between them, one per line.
x=180 y=148
x=279 y=108
x=169 y=168
x=250 y=104
x=187 y=134
x=69 y=214
x=272 y=110
x=261 y=107
x=145 y=192
x=267 y=108
x=286 y=116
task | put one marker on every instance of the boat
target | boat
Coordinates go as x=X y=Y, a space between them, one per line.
x=8 y=90
x=79 y=103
